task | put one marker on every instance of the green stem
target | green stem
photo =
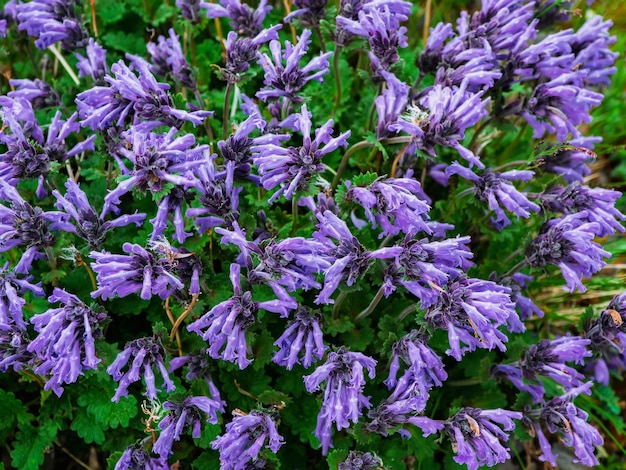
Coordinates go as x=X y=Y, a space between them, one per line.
x=337 y=78
x=207 y=124
x=522 y=264
x=294 y=214
x=340 y=298
x=373 y=304
x=481 y=127
x=344 y=161
x=225 y=120
x=370 y=119
x=318 y=33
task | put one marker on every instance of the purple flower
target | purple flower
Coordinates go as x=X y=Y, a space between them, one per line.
x=570 y=162
x=309 y=12
x=12 y=302
x=95 y=64
x=441 y=118
x=395 y=204
x=568 y=243
x=390 y=104
x=476 y=436
x=343 y=398
x=590 y=44
x=14 y=348
x=302 y=332
x=139 y=271
x=472 y=310
x=423 y=370
x=30 y=152
x=185 y=264
x=136 y=457
x=90 y=226
x=361 y=461
x=525 y=306
x=293 y=168
x=547 y=358
x=227 y=322
x=190 y=9
x=40 y=94
x=168 y=59
x=559 y=105
x=141 y=355
x=497 y=190
x=66 y=340
x=198 y=367
x=424 y=266
x=245 y=436
x=218 y=197
x=171 y=204
x=287 y=80
x=23 y=224
x=241 y=51
x=350 y=10
x=380 y=27
x=244 y=20
x=51 y=21
x=182 y=415
x=598 y=204
x=132 y=97
x=352 y=260
x=561 y=416
x=158 y=159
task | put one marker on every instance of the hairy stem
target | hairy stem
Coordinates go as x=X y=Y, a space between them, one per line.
x=337 y=79
x=225 y=119
x=344 y=161
x=372 y=306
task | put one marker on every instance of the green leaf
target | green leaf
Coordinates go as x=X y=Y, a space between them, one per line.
x=31 y=444
x=163 y=13
x=123 y=42
x=336 y=457
x=87 y=427
x=113 y=459
x=96 y=399
x=110 y=11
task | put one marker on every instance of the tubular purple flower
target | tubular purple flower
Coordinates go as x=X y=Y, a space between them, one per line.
x=497 y=190
x=571 y=162
x=136 y=457
x=294 y=168
x=390 y=104
x=286 y=80
x=525 y=306
x=158 y=159
x=227 y=322
x=590 y=44
x=361 y=461
x=171 y=203
x=241 y=51
x=245 y=436
x=168 y=59
x=343 y=398
x=352 y=260
x=95 y=64
x=65 y=343
x=244 y=20
x=476 y=436
x=472 y=310
x=14 y=348
x=309 y=12
x=132 y=97
x=139 y=271
x=598 y=204
x=39 y=93
x=190 y=9
x=90 y=226
x=198 y=367
x=441 y=118
x=568 y=243
x=142 y=355
x=12 y=290
x=303 y=332
x=561 y=416
x=181 y=416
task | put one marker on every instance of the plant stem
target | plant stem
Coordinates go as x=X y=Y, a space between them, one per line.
x=63 y=62
x=184 y=315
x=318 y=33
x=207 y=124
x=344 y=161
x=522 y=264
x=370 y=119
x=477 y=133
x=428 y=8
x=337 y=79
x=168 y=311
x=405 y=312
x=225 y=120
x=340 y=298
x=72 y=456
x=373 y=304
x=294 y=214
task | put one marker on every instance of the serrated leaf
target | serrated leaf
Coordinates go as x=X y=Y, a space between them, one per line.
x=31 y=444
x=113 y=459
x=87 y=427
x=336 y=457
x=273 y=397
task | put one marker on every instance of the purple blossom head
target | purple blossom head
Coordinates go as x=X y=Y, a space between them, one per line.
x=139 y=271
x=472 y=310
x=441 y=118
x=40 y=94
x=245 y=436
x=95 y=64
x=570 y=162
x=241 y=51
x=561 y=416
x=171 y=204
x=350 y=10
x=294 y=168
x=200 y=367
x=226 y=324
x=51 y=21
x=185 y=264
x=65 y=343
x=303 y=332
x=476 y=436
x=394 y=204
x=590 y=45
x=168 y=59
x=390 y=104
x=525 y=306
x=190 y=10
x=12 y=290
x=352 y=259
x=343 y=398
x=141 y=356
x=308 y=12
x=361 y=461
x=244 y=20
x=283 y=75
x=181 y=416
x=14 y=351
x=598 y=204
x=567 y=242
x=137 y=457
x=497 y=191
x=132 y=96
x=90 y=226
